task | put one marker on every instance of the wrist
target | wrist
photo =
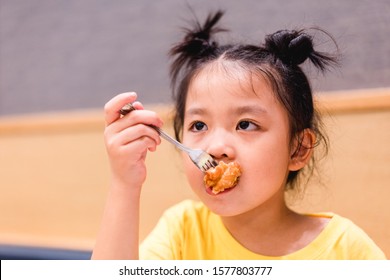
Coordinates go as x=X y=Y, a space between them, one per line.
x=125 y=189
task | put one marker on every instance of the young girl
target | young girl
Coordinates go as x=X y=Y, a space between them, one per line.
x=247 y=104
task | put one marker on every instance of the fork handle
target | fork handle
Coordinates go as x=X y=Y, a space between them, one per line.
x=170 y=139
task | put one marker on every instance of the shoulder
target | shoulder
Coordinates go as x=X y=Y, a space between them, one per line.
x=186 y=211
x=347 y=228
x=180 y=233
x=347 y=240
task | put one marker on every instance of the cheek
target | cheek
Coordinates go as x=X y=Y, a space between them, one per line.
x=194 y=175
x=269 y=165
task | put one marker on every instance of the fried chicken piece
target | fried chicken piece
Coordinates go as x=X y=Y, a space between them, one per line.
x=223 y=176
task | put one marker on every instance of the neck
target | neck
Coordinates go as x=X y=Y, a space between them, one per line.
x=262 y=218
x=261 y=228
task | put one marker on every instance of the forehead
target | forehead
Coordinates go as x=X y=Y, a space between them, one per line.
x=221 y=76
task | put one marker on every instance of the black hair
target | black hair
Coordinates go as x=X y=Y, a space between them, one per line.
x=278 y=59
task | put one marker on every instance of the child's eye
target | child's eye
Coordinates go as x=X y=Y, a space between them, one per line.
x=247 y=125
x=198 y=126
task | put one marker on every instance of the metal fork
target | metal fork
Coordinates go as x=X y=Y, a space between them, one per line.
x=199 y=157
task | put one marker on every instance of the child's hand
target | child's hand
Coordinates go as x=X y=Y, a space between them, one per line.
x=128 y=139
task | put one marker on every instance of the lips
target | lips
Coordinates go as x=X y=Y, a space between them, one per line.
x=222 y=178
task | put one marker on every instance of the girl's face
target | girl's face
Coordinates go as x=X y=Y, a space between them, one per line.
x=238 y=118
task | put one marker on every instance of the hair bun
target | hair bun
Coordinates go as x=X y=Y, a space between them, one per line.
x=300 y=48
x=291 y=47
x=198 y=40
x=197 y=44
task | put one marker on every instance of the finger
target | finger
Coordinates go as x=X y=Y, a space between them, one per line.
x=112 y=107
x=145 y=117
x=137 y=150
x=145 y=143
x=131 y=135
x=135 y=146
x=138 y=105
x=137 y=132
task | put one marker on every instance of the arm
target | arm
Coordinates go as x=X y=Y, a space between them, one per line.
x=127 y=141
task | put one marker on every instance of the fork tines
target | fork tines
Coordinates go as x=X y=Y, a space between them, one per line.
x=209 y=164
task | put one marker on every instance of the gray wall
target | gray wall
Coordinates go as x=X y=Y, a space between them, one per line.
x=71 y=54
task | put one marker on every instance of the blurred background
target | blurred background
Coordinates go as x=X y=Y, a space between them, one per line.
x=62 y=60
x=61 y=55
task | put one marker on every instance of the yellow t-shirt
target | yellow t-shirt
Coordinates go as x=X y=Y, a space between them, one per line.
x=189 y=231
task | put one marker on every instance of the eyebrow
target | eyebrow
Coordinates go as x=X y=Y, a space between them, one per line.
x=240 y=110
x=196 y=111
x=258 y=110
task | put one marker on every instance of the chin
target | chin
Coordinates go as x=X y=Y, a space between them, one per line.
x=223 y=207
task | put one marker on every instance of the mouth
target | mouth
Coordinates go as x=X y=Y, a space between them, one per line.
x=224 y=177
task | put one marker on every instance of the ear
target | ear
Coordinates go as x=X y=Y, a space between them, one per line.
x=302 y=149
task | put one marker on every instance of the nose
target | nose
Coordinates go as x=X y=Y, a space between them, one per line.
x=221 y=145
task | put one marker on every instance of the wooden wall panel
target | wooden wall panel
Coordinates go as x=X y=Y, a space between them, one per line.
x=54 y=173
